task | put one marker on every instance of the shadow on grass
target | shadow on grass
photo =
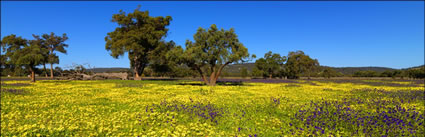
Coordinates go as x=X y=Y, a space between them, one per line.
x=221 y=83
x=15 y=84
x=14 y=91
x=192 y=84
x=230 y=83
x=160 y=79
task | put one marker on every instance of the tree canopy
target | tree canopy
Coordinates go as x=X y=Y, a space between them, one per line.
x=299 y=63
x=138 y=34
x=271 y=64
x=21 y=52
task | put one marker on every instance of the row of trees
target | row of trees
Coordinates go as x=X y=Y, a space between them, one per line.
x=291 y=66
x=416 y=73
x=142 y=37
x=22 y=54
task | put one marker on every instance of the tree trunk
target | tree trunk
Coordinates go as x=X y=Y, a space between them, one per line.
x=32 y=75
x=270 y=76
x=213 y=78
x=203 y=76
x=136 y=73
x=51 y=70
x=213 y=82
x=45 y=70
x=217 y=74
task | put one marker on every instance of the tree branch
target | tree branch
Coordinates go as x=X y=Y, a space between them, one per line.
x=220 y=69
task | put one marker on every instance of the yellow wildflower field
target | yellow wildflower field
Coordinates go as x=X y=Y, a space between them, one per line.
x=187 y=108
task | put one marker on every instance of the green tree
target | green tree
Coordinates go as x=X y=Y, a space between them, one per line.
x=397 y=73
x=270 y=64
x=299 y=63
x=159 y=62
x=45 y=60
x=10 y=45
x=387 y=73
x=310 y=65
x=212 y=50
x=416 y=73
x=368 y=73
x=260 y=68
x=257 y=73
x=328 y=73
x=30 y=56
x=53 y=43
x=138 y=34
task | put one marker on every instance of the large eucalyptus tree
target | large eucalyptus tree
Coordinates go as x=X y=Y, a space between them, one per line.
x=138 y=34
x=212 y=50
x=54 y=43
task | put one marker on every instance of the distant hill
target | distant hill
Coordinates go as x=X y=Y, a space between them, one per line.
x=416 y=67
x=235 y=69
x=352 y=70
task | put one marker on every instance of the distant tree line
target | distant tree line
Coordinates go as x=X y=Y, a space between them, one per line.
x=415 y=73
x=293 y=66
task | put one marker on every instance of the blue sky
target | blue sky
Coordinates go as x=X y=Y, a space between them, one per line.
x=339 y=34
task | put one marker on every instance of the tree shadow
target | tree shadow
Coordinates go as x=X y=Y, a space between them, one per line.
x=161 y=79
x=220 y=83
x=230 y=83
x=192 y=84
x=14 y=91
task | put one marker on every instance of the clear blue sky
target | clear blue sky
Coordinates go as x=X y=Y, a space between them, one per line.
x=339 y=34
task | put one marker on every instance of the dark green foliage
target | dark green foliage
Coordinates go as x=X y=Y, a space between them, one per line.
x=271 y=65
x=160 y=64
x=328 y=73
x=257 y=73
x=386 y=74
x=393 y=74
x=416 y=73
x=26 y=55
x=300 y=63
x=138 y=34
x=348 y=71
x=368 y=73
x=10 y=45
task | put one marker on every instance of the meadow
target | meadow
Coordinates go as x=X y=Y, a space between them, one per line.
x=189 y=108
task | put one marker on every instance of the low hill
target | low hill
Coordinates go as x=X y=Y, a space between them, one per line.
x=235 y=69
x=416 y=67
x=352 y=70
